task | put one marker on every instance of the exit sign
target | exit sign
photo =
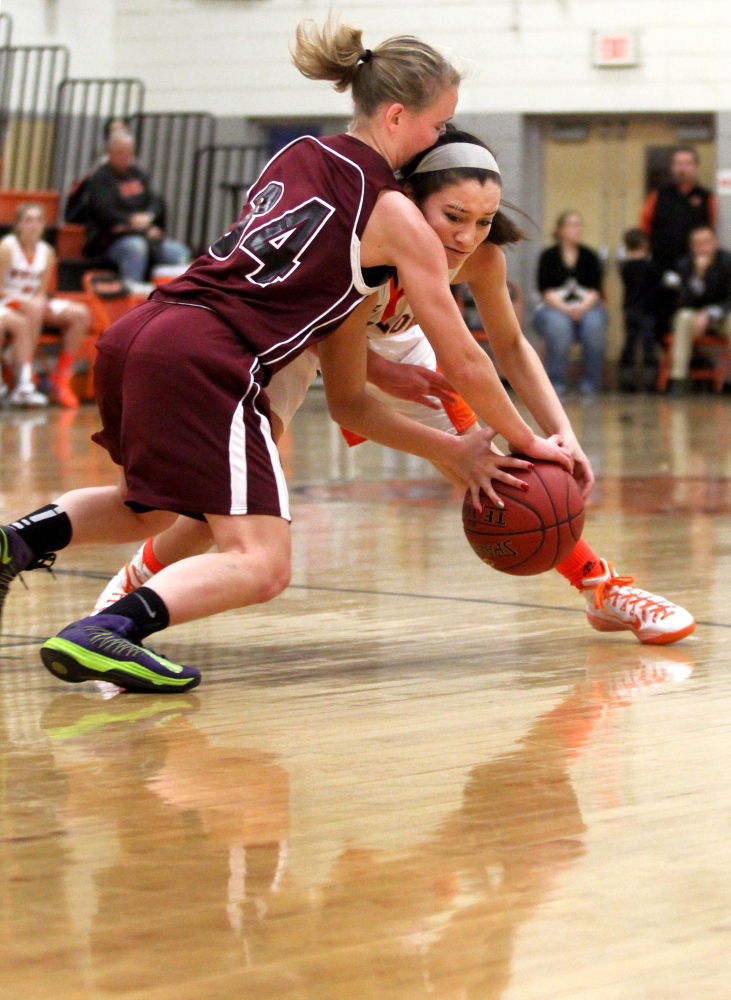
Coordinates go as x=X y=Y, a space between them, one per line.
x=619 y=48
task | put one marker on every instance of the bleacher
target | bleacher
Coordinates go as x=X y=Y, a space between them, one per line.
x=51 y=136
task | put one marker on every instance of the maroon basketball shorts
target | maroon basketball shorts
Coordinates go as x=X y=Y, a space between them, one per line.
x=183 y=416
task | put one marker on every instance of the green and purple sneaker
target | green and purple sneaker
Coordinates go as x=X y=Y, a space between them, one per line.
x=15 y=556
x=101 y=648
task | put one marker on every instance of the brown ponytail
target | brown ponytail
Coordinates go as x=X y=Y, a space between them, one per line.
x=504 y=231
x=401 y=70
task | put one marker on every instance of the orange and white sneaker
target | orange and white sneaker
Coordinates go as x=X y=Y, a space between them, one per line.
x=63 y=394
x=132 y=575
x=614 y=604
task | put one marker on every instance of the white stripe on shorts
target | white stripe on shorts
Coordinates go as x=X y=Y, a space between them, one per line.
x=282 y=491
x=237 y=461
x=237 y=458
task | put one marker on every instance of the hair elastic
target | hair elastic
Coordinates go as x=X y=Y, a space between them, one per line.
x=454 y=155
x=365 y=56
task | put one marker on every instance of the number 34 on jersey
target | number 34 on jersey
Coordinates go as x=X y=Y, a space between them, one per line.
x=277 y=245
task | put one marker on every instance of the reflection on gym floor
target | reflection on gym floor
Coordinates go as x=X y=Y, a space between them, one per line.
x=408 y=776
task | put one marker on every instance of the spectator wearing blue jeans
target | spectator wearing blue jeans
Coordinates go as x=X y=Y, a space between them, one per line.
x=125 y=217
x=570 y=283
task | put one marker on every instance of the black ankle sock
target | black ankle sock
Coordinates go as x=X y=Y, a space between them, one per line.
x=45 y=530
x=146 y=609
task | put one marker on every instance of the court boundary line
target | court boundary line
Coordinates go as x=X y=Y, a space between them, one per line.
x=95 y=575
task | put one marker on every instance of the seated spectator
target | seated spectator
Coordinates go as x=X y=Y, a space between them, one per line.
x=642 y=307
x=112 y=127
x=16 y=327
x=124 y=217
x=76 y=202
x=703 y=281
x=26 y=270
x=570 y=283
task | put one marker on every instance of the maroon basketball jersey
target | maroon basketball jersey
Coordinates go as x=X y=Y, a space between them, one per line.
x=288 y=273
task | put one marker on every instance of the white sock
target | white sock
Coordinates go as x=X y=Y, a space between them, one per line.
x=24 y=378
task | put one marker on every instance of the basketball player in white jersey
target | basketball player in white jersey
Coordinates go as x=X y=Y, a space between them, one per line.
x=26 y=270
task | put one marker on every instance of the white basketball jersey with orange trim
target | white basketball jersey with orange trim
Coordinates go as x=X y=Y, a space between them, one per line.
x=24 y=278
x=392 y=313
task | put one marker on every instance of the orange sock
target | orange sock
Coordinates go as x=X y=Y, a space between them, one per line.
x=64 y=364
x=150 y=559
x=582 y=562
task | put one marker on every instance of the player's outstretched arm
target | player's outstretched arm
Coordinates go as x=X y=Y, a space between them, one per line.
x=398 y=232
x=485 y=272
x=467 y=461
x=412 y=382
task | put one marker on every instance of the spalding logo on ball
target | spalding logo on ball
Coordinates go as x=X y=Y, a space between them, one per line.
x=536 y=529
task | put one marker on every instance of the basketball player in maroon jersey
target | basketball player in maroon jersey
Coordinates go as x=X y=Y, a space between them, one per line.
x=181 y=379
x=458 y=189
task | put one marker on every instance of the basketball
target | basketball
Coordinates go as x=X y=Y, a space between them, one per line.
x=537 y=528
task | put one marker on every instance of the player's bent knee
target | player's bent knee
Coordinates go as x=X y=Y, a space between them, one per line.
x=273 y=575
x=277 y=582
x=256 y=581
x=77 y=313
x=33 y=310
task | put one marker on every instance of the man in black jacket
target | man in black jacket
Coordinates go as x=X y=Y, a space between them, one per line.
x=125 y=217
x=674 y=210
x=704 y=292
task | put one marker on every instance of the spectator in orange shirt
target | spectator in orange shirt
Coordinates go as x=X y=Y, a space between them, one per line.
x=671 y=213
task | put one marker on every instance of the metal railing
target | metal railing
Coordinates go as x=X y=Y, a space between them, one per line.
x=82 y=109
x=29 y=78
x=52 y=135
x=221 y=178
x=167 y=148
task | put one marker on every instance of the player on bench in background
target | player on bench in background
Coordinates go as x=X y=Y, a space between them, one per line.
x=26 y=268
x=456 y=201
x=17 y=328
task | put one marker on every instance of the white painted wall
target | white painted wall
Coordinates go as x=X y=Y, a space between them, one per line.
x=86 y=27
x=230 y=56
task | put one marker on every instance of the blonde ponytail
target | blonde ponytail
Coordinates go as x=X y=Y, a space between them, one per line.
x=401 y=70
x=328 y=53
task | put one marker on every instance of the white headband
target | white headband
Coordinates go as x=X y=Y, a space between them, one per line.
x=454 y=155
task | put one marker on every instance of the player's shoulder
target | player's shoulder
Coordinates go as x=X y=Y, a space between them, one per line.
x=488 y=261
x=402 y=231
x=400 y=215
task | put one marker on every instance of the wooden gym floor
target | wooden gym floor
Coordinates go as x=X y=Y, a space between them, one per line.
x=407 y=777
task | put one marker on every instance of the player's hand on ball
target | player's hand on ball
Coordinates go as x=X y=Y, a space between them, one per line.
x=548 y=449
x=583 y=472
x=477 y=465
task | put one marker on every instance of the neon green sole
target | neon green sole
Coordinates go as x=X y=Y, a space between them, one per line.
x=73 y=663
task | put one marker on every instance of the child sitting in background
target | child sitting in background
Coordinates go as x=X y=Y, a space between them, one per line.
x=642 y=279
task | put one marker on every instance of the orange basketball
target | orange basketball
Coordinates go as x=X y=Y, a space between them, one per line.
x=536 y=530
